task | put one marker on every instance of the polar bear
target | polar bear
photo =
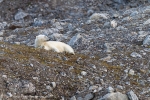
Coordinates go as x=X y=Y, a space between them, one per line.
x=41 y=41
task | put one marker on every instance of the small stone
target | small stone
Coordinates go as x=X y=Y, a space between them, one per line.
x=56 y=36
x=63 y=74
x=53 y=84
x=109 y=47
x=147 y=22
x=1 y=1
x=74 y=39
x=73 y=98
x=126 y=70
x=80 y=98
x=89 y=96
x=147 y=40
x=36 y=78
x=114 y=96
x=148 y=79
x=38 y=22
x=108 y=59
x=3 y=25
x=20 y=15
x=48 y=87
x=1 y=38
x=135 y=55
x=113 y=23
x=106 y=25
x=10 y=37
x=9 y=94
x=120 y=87
x=83 y=73
x=18 y=43
x=90 y=12
x=134 y=13
x=132 y=96
x=1 y=33
x=110 y=89
x=131 y=72
x=94 y=67
x=93 y=87
x=4 y=76
x=120 y=28
x=71 y=27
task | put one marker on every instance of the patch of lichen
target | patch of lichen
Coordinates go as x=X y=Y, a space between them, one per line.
x=22 y=53
x=111 y=67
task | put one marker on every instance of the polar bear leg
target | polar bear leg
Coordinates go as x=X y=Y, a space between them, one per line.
x=55 y=49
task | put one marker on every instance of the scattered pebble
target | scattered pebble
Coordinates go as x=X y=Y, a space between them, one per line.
x=83 y=73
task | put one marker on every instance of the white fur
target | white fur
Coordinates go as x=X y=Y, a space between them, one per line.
x=98 y=16
x=41 y=42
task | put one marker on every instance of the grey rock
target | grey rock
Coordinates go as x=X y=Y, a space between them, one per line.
x=119 y=28
x=59 y=25
x=73 y=98
x=142 y=82
x=110 y=89
x=18 y=43
x=38 y=22
x=83 y=73
x=114 y=96
x=1 y=1
x=74 y=40
x=108 y=58
x=93 y=87
x=48 y=31
x=70 y=27
x=113 y=23
x=106 y=24
x=147 y=22
x=142 y=35
x=147 y=40
x=80 y=98
x=133 y=14
x=4 y=76
x=90 y=12
x=119 y=87
x=1 y=38
x=135 y=55
x=21 y=86
x=148 y=79
x=3 y=25
x=129 y=11
x=9 y=94
x=63 y=74
x=1 y=32
x=10 y=37
x=120 y=1
x=132 y=96
x=131 y=72
x=20 y=15
x=56 y=36
x=89 y=96
x=53 y=84
x=146 y=10
x=109 y=47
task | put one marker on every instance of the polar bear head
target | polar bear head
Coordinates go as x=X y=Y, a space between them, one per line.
x=42 y=38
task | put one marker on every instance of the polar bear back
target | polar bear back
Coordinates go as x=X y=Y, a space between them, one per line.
x=57 y=46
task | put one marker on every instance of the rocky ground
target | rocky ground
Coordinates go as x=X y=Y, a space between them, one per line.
x=111 y=39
